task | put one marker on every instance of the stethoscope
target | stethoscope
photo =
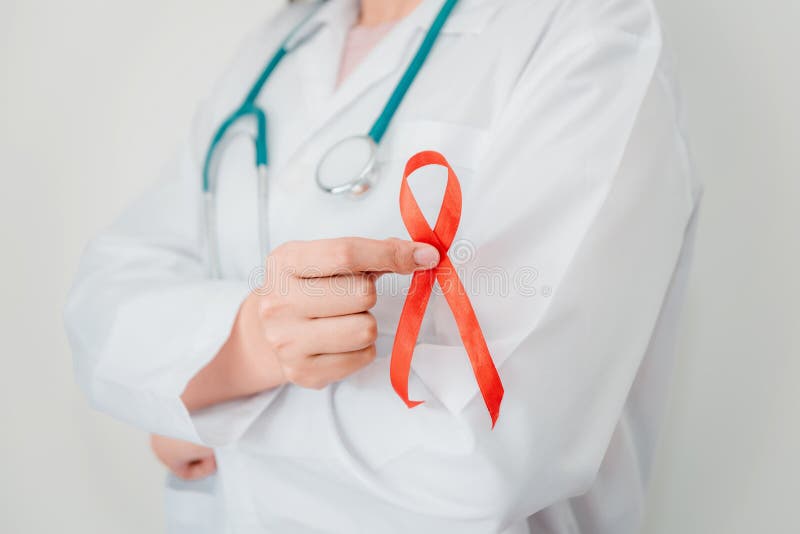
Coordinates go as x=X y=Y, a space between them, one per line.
x=346 y=168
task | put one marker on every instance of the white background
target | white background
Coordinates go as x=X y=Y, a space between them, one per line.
x=94 y=96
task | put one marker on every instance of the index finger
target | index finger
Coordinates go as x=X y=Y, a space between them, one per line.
x=350 y=255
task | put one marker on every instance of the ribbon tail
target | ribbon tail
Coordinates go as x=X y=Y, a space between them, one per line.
x=408 y=327
x=480 y=358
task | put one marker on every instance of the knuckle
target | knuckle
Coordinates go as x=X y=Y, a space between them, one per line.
x=315 y=383
x=398 y=254
x=300 y=375
x=293 y=373
x=276 y=339
x=343 y=255
x=370 y=353
x=369 y=294
x=285 y=255
x=279 y=252
x=269 y=306
x=368 y=329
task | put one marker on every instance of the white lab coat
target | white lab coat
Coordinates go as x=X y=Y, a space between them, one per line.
x=560 y=119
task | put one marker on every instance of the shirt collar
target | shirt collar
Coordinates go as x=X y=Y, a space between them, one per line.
x=468 y=17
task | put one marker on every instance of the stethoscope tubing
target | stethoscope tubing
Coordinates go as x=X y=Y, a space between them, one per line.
x=357 y=185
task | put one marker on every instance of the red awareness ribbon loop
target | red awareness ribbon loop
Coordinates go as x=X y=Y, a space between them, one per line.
x=441 y=236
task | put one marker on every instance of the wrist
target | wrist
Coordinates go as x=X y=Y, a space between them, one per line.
x=250 y=366
x=242 y=367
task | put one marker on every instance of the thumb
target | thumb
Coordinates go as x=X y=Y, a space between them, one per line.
x=425 y=256
x=410 y=256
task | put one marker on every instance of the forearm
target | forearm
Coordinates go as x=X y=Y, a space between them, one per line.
x=231 y=374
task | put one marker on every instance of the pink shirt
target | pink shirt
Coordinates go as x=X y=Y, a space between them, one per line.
x=360 y=40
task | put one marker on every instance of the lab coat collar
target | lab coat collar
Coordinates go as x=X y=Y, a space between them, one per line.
x=320 y=65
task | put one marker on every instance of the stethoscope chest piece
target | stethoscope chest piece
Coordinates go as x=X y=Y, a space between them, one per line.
x=349 y=167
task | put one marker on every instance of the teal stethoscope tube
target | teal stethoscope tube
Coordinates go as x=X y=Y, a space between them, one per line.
x=250 y=110
x=383 y=120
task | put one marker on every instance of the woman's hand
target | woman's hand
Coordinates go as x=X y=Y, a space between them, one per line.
x=185 y=460
x=313 y=312
x=309 y=324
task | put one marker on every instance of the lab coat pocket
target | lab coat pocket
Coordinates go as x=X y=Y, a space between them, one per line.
x=193 y=507
x=461 y=144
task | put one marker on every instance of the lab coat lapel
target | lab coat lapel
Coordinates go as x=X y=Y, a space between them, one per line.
x=318 y=61
x=389 y=58
x=319 y=66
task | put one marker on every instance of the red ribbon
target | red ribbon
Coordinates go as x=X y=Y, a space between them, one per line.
x=441 y=237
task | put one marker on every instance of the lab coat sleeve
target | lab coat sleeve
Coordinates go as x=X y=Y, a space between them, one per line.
x=143 y=317
x=585 y=190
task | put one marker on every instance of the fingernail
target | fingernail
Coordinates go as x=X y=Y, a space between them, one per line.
x=426 y=256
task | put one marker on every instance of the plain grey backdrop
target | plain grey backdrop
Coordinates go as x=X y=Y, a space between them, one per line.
x=94 y=96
